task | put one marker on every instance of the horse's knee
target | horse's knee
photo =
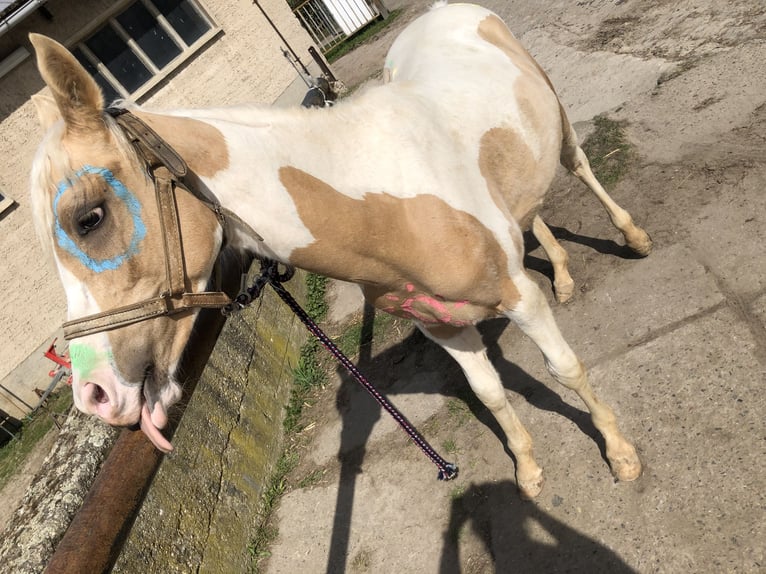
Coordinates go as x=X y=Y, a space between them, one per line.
x=494 y=399
x=568 y=370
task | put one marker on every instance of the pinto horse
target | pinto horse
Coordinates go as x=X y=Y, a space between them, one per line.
x=418 y=190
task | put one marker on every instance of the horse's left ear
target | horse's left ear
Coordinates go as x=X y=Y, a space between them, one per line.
x=76 y=93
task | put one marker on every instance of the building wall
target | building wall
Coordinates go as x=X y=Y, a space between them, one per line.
x=243 y=63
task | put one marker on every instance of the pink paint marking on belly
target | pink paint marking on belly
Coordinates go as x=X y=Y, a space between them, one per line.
x=430 y=310
x=442 y=313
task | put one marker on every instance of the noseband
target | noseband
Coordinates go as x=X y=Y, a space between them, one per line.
x=167 y=169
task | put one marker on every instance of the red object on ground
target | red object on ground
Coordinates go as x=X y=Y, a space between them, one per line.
x=62 y=361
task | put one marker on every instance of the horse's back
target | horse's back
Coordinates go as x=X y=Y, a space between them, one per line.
x=467 y=63
x=453 y=42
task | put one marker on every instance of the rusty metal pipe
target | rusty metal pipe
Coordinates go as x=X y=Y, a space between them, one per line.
x=93 y=540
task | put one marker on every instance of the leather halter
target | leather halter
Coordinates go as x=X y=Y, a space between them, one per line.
x=167 y=169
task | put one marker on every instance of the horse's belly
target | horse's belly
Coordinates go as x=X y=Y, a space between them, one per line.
x=428 y=309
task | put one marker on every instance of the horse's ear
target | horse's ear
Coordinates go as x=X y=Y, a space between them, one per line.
x=47 y=111
x=75 y=92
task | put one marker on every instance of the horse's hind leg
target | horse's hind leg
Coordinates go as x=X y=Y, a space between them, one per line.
x=533 y=315
x=575 y=160
x=464 y=344
x=563 y=284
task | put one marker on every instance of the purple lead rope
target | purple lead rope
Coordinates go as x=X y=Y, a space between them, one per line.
x=269 y=271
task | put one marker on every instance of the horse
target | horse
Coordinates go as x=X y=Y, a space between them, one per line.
x=418 y=190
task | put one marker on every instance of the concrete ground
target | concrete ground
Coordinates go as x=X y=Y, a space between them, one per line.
x=676 y=343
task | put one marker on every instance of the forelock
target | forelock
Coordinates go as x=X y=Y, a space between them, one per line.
x=50 y=158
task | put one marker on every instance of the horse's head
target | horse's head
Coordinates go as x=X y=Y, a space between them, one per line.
x=95 y=207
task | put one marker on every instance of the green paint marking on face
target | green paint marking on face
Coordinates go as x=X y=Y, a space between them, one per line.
x=84 y=359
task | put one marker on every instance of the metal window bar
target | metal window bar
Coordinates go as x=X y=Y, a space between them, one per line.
x=322 y=23
x=315 y=26
x=166 y=26
x=319 y=22
x=134 y=47
x=101 y=67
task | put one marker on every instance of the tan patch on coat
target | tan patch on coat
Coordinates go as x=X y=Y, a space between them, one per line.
x=513 y=176
x=413 y=256
x=533 y=87
x=493 y=30
x=201 y=145
x=517 y=180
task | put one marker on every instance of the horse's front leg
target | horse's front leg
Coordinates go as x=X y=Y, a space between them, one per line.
x=464 y=344
x=533 y=315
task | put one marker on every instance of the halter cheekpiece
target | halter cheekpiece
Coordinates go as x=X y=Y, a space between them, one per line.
x=167 y=169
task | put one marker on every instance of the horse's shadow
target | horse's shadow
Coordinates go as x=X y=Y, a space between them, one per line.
x=360 y=413
x=504 y=524
x=603 y=246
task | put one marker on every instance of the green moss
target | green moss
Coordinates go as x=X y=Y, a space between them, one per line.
x=308 y=374
x=351 y=340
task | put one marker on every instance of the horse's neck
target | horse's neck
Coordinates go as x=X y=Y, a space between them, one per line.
x=244 y=155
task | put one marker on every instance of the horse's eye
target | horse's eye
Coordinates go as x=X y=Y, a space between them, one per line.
x=90 y=221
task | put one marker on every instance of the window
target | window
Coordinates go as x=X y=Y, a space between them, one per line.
x=139 y=45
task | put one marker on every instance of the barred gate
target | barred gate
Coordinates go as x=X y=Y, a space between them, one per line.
x=329 y=22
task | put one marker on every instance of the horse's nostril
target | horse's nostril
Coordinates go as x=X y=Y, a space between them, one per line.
x=99 y=395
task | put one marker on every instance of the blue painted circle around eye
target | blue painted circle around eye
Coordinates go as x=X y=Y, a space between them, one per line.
x=134 y=208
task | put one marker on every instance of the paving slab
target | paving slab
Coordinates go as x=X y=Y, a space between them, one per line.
x=629 y=301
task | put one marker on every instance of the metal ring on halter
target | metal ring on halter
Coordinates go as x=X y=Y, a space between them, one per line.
x=287 y=275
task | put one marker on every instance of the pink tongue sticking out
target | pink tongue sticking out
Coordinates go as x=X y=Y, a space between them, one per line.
x=151 y=430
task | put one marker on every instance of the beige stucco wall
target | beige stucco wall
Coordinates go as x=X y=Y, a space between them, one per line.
x=242 y=63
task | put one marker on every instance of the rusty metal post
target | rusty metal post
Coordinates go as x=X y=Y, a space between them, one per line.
x=326 y=71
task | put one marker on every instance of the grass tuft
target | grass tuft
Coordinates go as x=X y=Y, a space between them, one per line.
x=312 y=478
x=610 y=153
x=34 y=428
x=309 y=374
x=364 y=35
x=352 y=339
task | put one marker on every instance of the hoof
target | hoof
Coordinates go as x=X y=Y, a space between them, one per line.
x=640 y=243
x=626 y=468
x=563 y=291
x=529 y=489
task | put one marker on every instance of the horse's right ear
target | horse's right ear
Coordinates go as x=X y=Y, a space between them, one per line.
x=75 y=92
